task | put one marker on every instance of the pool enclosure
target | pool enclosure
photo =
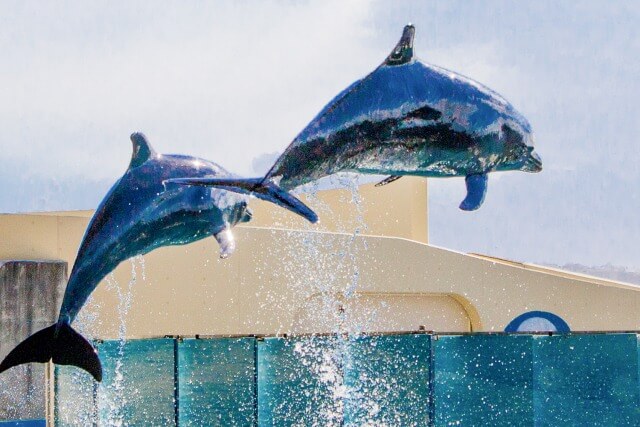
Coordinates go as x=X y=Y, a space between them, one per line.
x=308 y=284
x=403 y=379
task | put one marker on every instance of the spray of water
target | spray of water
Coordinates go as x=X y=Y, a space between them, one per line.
x=72 y=382
x=330 y=287
x=113 y=393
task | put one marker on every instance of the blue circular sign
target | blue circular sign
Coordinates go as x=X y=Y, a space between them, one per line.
x=538 y=321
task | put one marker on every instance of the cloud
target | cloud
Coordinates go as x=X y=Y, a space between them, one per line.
x=38 y=193
x=263 y=162
x=203 y=80
x=556 y=217
x=573 y=72
x=229 y=81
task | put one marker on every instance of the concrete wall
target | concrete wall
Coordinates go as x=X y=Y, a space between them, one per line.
x=30 y=297
x=282 y=280
x=398 y=209
x=295 y=281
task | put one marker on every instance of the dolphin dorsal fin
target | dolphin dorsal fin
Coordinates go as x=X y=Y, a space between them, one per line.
x=403 y=52
x=142 y=150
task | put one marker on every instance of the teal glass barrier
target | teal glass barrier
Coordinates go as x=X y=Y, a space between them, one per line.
x=24 y=423
x=408 y=380
x=300 y=381
x=216 y=382
x=586 y=380
x=483 y=380
x=374 y=380
x=138 y=386
x=387 y=381
x=75 y=402
x=22 y=389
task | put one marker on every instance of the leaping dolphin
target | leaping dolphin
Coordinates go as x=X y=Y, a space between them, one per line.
x=139 y=214
x=406 y=118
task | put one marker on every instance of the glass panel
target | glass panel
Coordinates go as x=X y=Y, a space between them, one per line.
x=216 y=380
x=22 y=392
x=300 y=381
x=330 y=381
x=387 y=381
x=24 y=423
x=380 y=380
x=586 y=380
x=138 y=384
x=74 y=397
x=483 y=380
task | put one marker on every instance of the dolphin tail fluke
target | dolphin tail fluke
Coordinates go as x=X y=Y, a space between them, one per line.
x=59 y=343
x=259 y=187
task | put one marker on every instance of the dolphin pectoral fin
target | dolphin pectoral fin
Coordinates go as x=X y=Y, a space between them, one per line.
x=226 y=241
x=476 y=190
x=60 y=343
x=388 y=180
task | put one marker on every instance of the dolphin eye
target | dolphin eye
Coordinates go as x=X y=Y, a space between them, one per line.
x=511 y=136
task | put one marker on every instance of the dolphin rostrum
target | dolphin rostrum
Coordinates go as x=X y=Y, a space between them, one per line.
x=406 y=118
x=140 y=213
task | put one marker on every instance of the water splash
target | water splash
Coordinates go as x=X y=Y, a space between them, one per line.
x=143 y=267
x=323 y=272
x=72 y=382
x=114 y=394
x=322 y=358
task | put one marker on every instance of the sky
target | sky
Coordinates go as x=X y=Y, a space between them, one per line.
x=234 y=82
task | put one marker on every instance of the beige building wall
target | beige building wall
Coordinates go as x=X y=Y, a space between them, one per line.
x=296 y=281
x=398 y=209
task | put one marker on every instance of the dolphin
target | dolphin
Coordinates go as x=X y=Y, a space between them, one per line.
x=407 y=117
x=140 y=213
